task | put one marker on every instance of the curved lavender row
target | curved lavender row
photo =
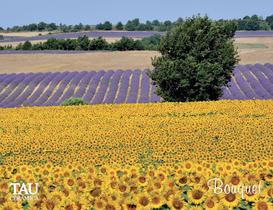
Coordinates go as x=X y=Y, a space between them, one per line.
x=27 y=92
x=131 y=34
x=103 y=85
x=6 y=80
x=244 y=84
x=74 y=83
x=124 y=85
x=255 y=84
x=64 y=83
x=48 y=77
x=268 y=65
x=113 y=87
x=3 y=76
x=46 y=95
x=93 y=86
x=265 y=83
x=83 y=85
x=18 y=90
x=226 y=94
x=235 y=91
x=145 y=87
x=93 y=34
x=154 y=97
x=13 y=82
x=267 y=69
x=133 y=94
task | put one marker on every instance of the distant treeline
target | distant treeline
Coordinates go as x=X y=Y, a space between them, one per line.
x=248 y=23
x=84 y=43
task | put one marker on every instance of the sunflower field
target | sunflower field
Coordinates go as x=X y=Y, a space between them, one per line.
x=136 y=156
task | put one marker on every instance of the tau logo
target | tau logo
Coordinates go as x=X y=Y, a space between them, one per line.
x=24 y=191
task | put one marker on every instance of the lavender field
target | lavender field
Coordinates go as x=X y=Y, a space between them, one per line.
x=116 y=87
x=119 y=34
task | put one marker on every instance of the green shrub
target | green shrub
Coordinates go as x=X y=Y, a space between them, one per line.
x=198 y=57
x=73 y=102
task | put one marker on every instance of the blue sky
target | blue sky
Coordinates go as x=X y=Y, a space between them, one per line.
x=19 y=12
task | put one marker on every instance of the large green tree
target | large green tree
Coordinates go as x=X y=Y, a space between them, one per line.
x=198 y=57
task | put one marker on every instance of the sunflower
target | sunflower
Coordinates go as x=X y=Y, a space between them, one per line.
x=112 y=206
x=156 y=200
x=262 y=205
x=69 y=182
x=211 y=204
x=269 y=192
x=182 y=180
x=144 y=201
x=99 y=204
x=251 y=196
x=230 y=200
x=176 y=202
x=196 y=196
x=10 y=205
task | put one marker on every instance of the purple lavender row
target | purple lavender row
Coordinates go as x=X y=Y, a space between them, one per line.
x=93 y=34
x=265 y=83
x=113 y=87
x=64 y=83
x=132 y=34
x=73 y=84
x=12 y=84
x=244 y=85
x=103 y=85
x=133 y=94
x=255 y=84
x=48 y=77
x=226 y=94
x=83 y=85
x=18 y=90
x=267 y=69
x=124 y=85
x=145 y=88
x=93 y=86
x=26 y=92
x=4 y=82
x=46 y=95
x=236 y=92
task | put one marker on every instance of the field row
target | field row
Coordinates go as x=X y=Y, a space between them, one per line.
x=115 y=34
x=117 y=87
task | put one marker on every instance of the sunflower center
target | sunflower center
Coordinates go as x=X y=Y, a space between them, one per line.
x=197 y=194
x=230 y=197
x=155 y=200
x=262 y=206
x=210 y=203
x=177 y=204
x=183 y=180
x=95 y=192
x=235 y=180
x=144 y=201
x=109 y=207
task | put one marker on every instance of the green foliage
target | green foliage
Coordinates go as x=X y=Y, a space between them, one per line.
x=253 y=23
x=198 y=58
x=104 y=26
x=98 y=44
x=151 y=43
x=269 y=21
x=1 y=37
x=119 y=26
x=83 y=43
x=73 y=102
x=127 y=44
x=27 y=45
